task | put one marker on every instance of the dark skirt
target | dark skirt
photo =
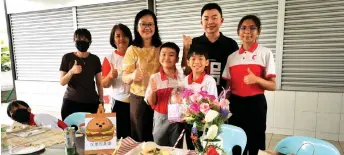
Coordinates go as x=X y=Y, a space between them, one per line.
x=141 y=119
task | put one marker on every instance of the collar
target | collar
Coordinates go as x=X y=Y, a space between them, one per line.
x=199 y=80
x=165 y=77
x=119 y=53
x=251 y=49
x=220 y=39
x=32 y=121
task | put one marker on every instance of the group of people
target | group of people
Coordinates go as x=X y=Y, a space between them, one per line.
x=142 y=73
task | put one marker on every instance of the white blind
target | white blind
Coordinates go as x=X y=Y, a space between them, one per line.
x=40 y=39
x=100 y=18
x=176 y=18
x=313 y=52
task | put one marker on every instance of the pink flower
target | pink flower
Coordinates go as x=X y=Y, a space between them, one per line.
x=195 y=108
x=211 y=97
x=204 y=108
x=196 y=98
x=224 y=103
x=203 y=93
x=216 y=103
x=186 y=93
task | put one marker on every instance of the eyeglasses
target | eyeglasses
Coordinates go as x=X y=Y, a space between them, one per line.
x=250 y=28
x=144 y=25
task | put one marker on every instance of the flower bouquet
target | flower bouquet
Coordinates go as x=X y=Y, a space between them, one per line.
x=206 y=114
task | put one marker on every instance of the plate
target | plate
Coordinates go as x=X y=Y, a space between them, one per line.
x=26 y=149
x=164 y=150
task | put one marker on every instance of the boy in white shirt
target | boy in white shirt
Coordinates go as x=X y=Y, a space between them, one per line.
x=20 y=111
x=158 y=93
x=198 y=80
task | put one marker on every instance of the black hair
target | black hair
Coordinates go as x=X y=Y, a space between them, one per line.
x=14 y=104
x=211 y=6
x=79 y=33
x=171 y=45
x=198 y=50
x=125 y=30
x=156 y=41
x=254 y=18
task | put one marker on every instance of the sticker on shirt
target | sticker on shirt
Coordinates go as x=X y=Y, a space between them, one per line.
x=253 y=57
x=214 y=70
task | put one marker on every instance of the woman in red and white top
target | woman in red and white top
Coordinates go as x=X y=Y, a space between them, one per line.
x=120 y=39
x=249 y=72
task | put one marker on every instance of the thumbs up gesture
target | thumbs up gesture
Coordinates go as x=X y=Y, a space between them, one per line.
x=138 y=75
x=187 y=41
x=76 y=69
x=250 y=78
x=113 y=72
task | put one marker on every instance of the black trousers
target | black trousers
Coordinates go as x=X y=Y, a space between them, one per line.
x=69 y=107
x=122 y=111
x=249 y=113
x=141 y=119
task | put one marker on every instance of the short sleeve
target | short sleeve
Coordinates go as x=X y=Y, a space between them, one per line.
x=149 y=90
x=98 y=65
x=46 y=120
x=64 y=63
x=226 y=74
x=129 y=60
x=211 y=86
x=270 y=70
x=106 y=67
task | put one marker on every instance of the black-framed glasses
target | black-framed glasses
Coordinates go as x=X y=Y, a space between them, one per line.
x=250 y=28
x=144 y=25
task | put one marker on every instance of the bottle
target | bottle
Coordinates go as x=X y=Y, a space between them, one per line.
x=70 y=148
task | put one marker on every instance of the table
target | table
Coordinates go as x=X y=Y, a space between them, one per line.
x=59 y=149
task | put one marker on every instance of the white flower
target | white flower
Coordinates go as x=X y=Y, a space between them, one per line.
x=211 y=115
x=212 y=132
x=188 y=118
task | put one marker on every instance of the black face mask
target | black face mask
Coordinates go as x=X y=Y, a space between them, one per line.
x=82 y=46
x=21 y=116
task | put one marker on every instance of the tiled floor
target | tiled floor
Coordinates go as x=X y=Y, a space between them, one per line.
x=273 y=139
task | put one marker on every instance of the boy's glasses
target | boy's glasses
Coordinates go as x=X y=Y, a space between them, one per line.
x=144 y=25
x=250 y=28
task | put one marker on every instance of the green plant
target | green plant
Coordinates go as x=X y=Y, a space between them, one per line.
x=5 y=57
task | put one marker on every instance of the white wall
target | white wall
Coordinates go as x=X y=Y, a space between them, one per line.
x=313 y=114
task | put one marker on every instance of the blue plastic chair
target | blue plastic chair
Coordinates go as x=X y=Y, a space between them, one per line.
x=76 y=119
x=301 y=145
x=232 y=136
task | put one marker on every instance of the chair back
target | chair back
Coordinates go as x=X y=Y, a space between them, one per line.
x=77 y=120
x=301 y=145
x=232 y=136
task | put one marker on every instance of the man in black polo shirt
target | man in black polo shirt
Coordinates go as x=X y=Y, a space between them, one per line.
x=218 y=45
